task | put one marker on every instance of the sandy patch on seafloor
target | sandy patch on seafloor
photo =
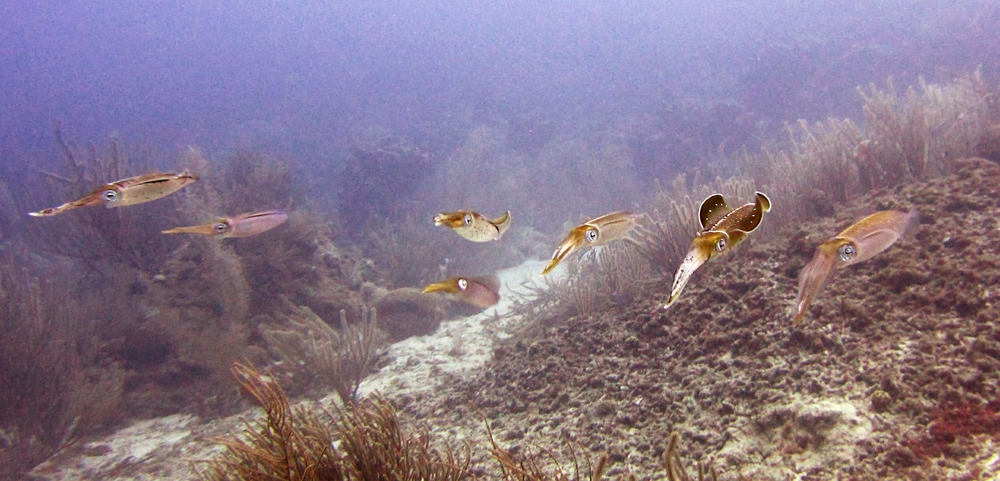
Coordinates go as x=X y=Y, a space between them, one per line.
x=457 y=346
x=172 y=447
x=829 y=430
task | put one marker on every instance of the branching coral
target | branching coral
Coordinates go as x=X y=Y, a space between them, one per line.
x=583 y=285
x=288 y=444
x=376 y=447
x=665 y=234
x=190 y=327
x=341 y=359
x=915 y=134
x=539 y=305
x=52 y=391
x=286 y=261
x=819 y=167
x=362 y=442
x=675 y=467
x=357 y=350
x=406 y=253
x=251 y=181
x=125 y=236
x=624 y=269
x=912 y=136
x=615 y=274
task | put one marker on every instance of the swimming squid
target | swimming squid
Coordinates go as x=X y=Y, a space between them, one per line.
x=723 y=228
x=594 y=232
x=130 y=191
x=857 y=243
x=474 y=226
x=243 y=225
x=479 y=291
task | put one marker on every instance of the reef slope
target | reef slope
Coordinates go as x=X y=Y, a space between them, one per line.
x=893 y=374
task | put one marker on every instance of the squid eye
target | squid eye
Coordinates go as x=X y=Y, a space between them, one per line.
x=220 y=227
x=109 y=195
x=720 y=245
x=590 y=235
x=463 y=284
x=467 y=219
x=847 y=252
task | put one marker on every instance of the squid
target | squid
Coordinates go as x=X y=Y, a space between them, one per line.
x=243 y=225
x=723 y=228
x=130 y=191
x=857 y=243
x=479 y=291
x=593 y=233
x=473 y=226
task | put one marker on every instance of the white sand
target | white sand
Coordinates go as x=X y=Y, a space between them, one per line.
x=457 y=346
x=170 y=448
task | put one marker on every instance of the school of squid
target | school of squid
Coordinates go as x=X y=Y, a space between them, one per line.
x=724 y=228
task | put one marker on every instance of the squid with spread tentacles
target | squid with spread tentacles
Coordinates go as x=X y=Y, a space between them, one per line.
x=723 y=228
x=479 y=291
x=859 y=242
x=243 y=225
x=593 y=233
x=473 y=226
x=130 y=191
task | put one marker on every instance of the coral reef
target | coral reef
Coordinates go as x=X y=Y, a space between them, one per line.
x=182 y=306
x=192 y=325
x=363 y=441
x=407 y=253
x=895 y=372
x=664 y=236
x=516 y=466
x=124 y=237
x=332 y=358
x=249 y=181
x=297 y=260
x=615 y=275
x=407 y=312
x=380 y=182
x=907 y=137
x=54 y=388
x=905 y=342
x=989 y=144
x=210 y=302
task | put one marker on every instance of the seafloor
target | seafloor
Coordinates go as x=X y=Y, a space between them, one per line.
x=893 y=374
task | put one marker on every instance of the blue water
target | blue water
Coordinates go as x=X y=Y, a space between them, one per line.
x=311 y=77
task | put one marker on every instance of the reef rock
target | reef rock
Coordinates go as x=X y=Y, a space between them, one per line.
x=405 y=312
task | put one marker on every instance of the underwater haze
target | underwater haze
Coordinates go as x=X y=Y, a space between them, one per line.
x=754 y=238
x=309 y=77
